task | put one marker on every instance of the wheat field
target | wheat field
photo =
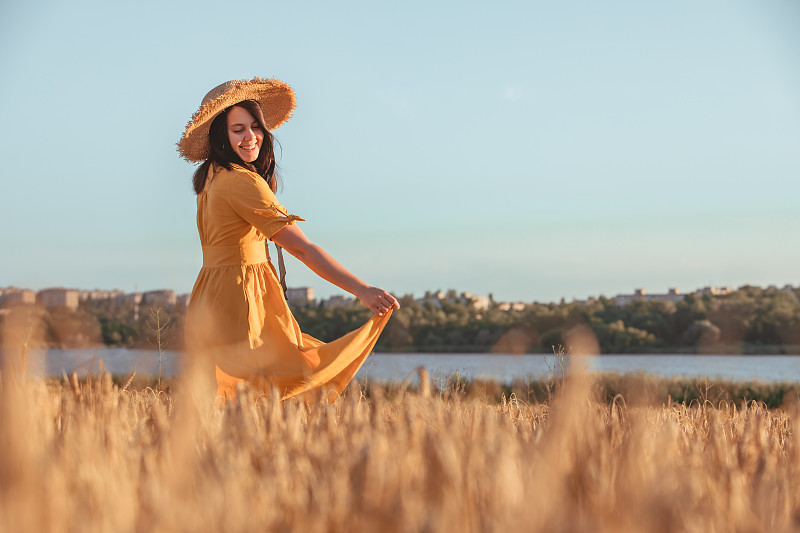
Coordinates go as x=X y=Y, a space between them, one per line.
x=93 y=456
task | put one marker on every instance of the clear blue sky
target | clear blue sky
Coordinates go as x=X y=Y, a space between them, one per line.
x=535 y=150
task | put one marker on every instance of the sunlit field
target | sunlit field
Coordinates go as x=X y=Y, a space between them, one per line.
x=93 y=455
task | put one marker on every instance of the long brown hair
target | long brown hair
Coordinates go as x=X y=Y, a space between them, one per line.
x=222 y=152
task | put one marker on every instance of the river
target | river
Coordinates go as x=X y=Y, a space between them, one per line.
x=396 y=367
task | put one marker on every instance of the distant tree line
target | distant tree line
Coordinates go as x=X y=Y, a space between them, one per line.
x=95 y=323
x=750 y=320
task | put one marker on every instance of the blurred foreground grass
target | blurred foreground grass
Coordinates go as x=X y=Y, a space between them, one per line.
x=584 y=453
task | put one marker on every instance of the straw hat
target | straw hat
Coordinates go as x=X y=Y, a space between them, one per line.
x=275 y=97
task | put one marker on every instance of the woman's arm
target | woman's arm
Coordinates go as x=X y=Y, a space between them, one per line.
x=292 y=239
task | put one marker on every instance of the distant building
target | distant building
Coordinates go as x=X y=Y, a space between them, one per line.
x=478 y=302
x=14 y=296
x=436 y=298
x=433 y=298
x=300 y=295
x=133 y=297
x=164 y=297
x=98 y=294
x=715 y=291
x=674 y=295
x=337 y=300
x=512 y=306
x=59 y=297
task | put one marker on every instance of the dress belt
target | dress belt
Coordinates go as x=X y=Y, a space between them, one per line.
x=244 y=253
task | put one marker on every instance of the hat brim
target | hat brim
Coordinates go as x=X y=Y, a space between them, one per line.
x=275 y=97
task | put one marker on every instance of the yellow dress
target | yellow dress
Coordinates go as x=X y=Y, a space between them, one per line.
x=237 y=317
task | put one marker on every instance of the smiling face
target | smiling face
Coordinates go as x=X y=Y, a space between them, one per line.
x=244 y=134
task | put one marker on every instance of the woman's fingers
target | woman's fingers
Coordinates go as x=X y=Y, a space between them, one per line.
x=388 y=301
x=385 y=302
x=378 y=300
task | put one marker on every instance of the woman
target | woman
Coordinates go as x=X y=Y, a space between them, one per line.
x=238 y=319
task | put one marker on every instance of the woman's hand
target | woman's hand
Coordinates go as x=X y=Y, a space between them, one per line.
x=378 y=300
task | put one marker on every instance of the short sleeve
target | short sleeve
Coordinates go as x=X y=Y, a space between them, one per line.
x=252 y=199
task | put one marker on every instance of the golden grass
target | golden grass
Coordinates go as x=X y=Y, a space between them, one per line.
x=93 y=457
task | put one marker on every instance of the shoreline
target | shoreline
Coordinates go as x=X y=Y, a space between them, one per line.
x=752 y=350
